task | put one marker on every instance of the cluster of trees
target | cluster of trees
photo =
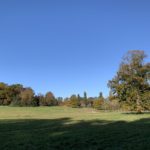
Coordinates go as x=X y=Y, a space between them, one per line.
x=78 y=101
x=130 y=90
x=101 y=103
x=17 y=95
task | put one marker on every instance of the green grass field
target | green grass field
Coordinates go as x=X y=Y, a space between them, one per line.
x=62 y=128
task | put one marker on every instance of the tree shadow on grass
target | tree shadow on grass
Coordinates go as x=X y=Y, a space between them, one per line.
x=63 y=134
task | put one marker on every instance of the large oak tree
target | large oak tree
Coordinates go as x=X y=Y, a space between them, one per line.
x=131 y=84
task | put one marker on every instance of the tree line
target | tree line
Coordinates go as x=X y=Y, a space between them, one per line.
x=18 y=95
x=129 y=90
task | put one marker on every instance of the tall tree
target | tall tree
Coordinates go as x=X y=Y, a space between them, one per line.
x=13 y=93
x=132 y=80
x=27 y=95
x=101 y=95
x=41 y=99
x=49 y=99
x=79 y=97
x=98 y=102
x=3 y=93
x=85 y=99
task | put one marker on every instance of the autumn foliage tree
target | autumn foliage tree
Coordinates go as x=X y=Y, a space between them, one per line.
x=48 y=100
x=26 y=96
x=3 y=94
x=74 y=101
x=17 y=95
x=130 y=90
x=132 y=81
x=98 y=102
x=9 y=94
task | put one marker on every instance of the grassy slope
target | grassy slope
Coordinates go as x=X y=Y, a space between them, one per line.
x=66 y=129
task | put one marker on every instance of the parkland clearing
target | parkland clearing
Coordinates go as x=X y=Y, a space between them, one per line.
x=120 y=121
x=65 y=128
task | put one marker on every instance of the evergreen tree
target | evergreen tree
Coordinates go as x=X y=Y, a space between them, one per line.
x=85 y=99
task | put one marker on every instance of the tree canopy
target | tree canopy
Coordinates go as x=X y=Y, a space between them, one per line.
x=131 y=83
x=130 y=90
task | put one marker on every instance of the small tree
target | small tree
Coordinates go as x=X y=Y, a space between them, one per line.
x=98 y=102
x=74 y=101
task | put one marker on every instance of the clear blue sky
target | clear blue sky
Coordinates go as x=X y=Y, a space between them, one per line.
x=69 y=46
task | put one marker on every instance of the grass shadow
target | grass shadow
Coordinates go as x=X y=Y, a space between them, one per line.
x=63 y=134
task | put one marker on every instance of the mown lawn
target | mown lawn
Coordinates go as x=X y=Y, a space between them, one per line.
x=62 y=128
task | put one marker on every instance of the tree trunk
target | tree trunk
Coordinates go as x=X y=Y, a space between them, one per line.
x=138 y=107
